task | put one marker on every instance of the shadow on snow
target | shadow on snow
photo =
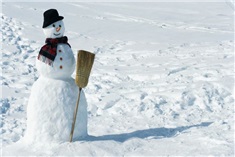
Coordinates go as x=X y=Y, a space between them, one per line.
x=154 y=133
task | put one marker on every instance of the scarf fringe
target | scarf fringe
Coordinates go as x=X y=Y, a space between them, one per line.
x=45 y=60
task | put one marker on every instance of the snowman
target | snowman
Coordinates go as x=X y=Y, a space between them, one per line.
x=54 y=94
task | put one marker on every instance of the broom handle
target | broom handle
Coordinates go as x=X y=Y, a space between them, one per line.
x=75 y=115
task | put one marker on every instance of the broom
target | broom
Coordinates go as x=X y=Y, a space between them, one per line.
x=85 y=61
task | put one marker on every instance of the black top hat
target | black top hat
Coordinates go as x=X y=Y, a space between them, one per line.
x=51 y=16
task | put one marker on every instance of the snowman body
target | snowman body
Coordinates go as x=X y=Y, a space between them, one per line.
x=53 y=97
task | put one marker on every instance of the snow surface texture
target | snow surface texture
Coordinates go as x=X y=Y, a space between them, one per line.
x=50 y=111
x=162 y=82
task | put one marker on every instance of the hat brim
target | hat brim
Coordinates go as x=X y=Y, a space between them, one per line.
x=58 y=18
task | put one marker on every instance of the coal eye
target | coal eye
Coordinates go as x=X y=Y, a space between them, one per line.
x=53 y=25
x=59 y=25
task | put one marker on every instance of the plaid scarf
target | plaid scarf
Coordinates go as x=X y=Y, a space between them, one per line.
x=48 y=53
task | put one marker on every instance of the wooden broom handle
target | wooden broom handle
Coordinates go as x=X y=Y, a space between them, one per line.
x=75 y=115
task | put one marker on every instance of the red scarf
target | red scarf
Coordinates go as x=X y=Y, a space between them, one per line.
x=48 y=53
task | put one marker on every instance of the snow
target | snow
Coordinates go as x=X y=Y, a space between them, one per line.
x=50 y=111
x=162 y=82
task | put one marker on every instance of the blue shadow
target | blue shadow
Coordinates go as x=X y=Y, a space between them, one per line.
x=155 y=133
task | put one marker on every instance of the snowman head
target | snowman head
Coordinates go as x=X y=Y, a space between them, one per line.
x=53 y=26
x=55 y=30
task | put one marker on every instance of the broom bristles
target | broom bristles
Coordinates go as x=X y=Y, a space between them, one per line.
x=85 y=61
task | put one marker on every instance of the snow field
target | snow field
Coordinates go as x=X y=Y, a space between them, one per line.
x=162 y=82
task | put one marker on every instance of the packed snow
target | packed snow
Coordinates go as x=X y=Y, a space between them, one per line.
x=162 y=83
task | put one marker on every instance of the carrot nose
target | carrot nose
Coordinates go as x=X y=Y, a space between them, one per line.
x=57 y=29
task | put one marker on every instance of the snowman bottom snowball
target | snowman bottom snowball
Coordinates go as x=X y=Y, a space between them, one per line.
x=50 y=111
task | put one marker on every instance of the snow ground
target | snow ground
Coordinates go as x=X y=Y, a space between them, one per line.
x=162 y=83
